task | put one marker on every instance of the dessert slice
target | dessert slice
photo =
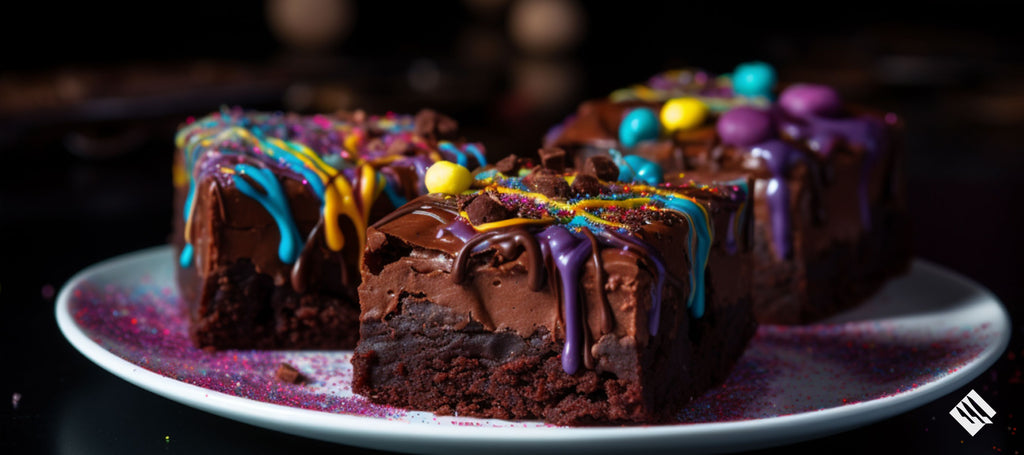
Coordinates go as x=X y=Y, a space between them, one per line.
x=831 y=224
x=556 y=296
x=271 y=212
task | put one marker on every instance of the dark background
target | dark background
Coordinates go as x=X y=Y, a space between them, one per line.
x=90 y=97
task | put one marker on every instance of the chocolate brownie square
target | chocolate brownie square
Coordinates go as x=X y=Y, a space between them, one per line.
x=515 y=300
x=830 y=225
x=271 y=212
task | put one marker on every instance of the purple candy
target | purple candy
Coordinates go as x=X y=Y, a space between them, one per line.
x=803 y=100
x=745 y=126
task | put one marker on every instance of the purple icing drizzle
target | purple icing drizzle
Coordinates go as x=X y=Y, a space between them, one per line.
x=460 y=229
x=730 y=235
x=568 y=253
x=809 y=114
x=753 y=130
x=779 y=157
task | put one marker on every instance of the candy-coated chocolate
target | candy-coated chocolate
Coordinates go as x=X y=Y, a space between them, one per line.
x=683 y=113
x=638 y=125
x=753 y=79
x=745 y=126
x=636 y=168
x=802 y=100
x=447 y=177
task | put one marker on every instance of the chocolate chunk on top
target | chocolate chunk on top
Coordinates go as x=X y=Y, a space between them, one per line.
x=586 y=185
x=484 y=209
x=435 y=126
x=552 y=158
x=602 y=167
x=509 y=165
x=548 y=182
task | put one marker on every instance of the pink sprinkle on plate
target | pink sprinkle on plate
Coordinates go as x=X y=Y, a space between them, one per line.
x=923 y=336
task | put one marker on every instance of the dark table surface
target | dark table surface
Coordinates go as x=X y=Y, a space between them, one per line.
x=83 y=183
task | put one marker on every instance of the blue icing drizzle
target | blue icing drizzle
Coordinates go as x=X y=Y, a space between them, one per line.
x=461 y=157
x=700 y=248
x=273 y=200
x=187 y=255
x=396 y=199
x=298 y=166
x=475 y=151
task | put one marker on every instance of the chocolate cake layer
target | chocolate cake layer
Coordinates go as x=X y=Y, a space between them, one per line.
x=830 y=222
x=271 y=210
x=614 y=308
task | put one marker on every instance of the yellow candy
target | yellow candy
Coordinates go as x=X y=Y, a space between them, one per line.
x=447 y=177
x=683 y=113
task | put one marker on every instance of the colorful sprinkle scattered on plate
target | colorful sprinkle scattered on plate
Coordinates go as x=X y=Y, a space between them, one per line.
x=923 y=336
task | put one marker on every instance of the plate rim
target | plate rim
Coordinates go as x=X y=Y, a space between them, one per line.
x=380 y=433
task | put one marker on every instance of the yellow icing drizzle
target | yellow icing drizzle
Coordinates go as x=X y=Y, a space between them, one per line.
x=340 y=198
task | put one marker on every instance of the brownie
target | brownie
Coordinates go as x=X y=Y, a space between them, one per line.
x=270 y=217
x=514 y=300
x=830 y=224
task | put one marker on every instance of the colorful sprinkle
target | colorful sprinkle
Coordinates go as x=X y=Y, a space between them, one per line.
x=785 y=370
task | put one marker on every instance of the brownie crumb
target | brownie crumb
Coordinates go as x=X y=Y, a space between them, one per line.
x=435 y=126
x=586 y=185
x=602 y=167
x=548 y=182
x=399 y=147
x=552 y=158
x=509 y=165
x=288 y=373
x=463 y=200
x=484 y=209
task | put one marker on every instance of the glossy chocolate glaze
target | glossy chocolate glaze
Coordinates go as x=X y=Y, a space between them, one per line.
x=497 y=278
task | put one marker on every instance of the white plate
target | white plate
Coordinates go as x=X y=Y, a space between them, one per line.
x=923 y=336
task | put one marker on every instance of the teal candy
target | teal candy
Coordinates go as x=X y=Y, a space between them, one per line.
x=753 y=79
x=638 y=125
x=642 y=169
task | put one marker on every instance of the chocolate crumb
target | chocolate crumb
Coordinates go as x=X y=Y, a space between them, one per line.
x=586 y=185
x=484 y=209
x=289 y=374
x=602 y=167
x=462 y=201
x=509 y=165
x=435 y=126
x=398 y=147
x=552 y=158
x=548 y=182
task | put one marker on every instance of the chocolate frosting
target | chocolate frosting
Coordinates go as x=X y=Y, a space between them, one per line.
x=292 y=194
x=510 y=278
